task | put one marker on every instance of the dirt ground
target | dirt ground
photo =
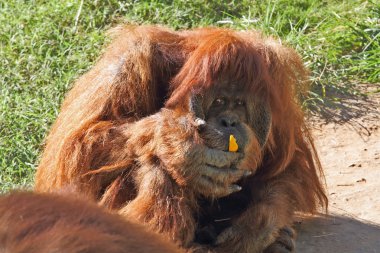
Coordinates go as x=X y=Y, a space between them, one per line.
x=348 y=141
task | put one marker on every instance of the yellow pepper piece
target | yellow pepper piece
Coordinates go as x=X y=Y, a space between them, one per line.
x=233 y=146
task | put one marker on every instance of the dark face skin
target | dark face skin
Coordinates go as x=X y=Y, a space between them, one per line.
x=228 y=109
x=225 y=112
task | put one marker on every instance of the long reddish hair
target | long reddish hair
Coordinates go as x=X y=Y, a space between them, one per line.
x=149 y=67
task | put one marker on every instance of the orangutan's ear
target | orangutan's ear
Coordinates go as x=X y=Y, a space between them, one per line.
x=260 y=119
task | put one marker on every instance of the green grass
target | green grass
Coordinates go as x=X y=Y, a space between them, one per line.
x=45 y=45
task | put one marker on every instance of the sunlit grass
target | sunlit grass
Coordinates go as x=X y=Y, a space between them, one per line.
x=45 y=45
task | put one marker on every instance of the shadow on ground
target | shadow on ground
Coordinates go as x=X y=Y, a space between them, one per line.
x=359 y=112
x=337 y=234
x=340 y=107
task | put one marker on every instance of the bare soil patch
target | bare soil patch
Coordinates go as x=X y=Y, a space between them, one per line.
x=348 y=141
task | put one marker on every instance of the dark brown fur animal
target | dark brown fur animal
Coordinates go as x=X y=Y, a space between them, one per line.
x=170 y=169
x=48 y=223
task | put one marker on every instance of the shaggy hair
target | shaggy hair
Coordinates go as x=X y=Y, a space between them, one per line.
x=104 y=122
x=47 y=223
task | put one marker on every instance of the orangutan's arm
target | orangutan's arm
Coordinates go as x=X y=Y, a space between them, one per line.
x=265 y=224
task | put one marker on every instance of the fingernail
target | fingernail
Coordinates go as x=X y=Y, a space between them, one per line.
x=247 y=173
x=237 y=188
x=199 y=122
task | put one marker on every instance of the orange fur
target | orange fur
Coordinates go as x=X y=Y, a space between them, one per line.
x=46 y=223
x=104 y=143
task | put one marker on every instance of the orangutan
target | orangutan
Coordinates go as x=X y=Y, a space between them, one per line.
x=146 y=131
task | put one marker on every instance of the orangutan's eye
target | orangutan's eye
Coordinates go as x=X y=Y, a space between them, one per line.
x=219 y=101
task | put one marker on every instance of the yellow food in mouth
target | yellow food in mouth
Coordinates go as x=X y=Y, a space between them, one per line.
x=233 y=146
